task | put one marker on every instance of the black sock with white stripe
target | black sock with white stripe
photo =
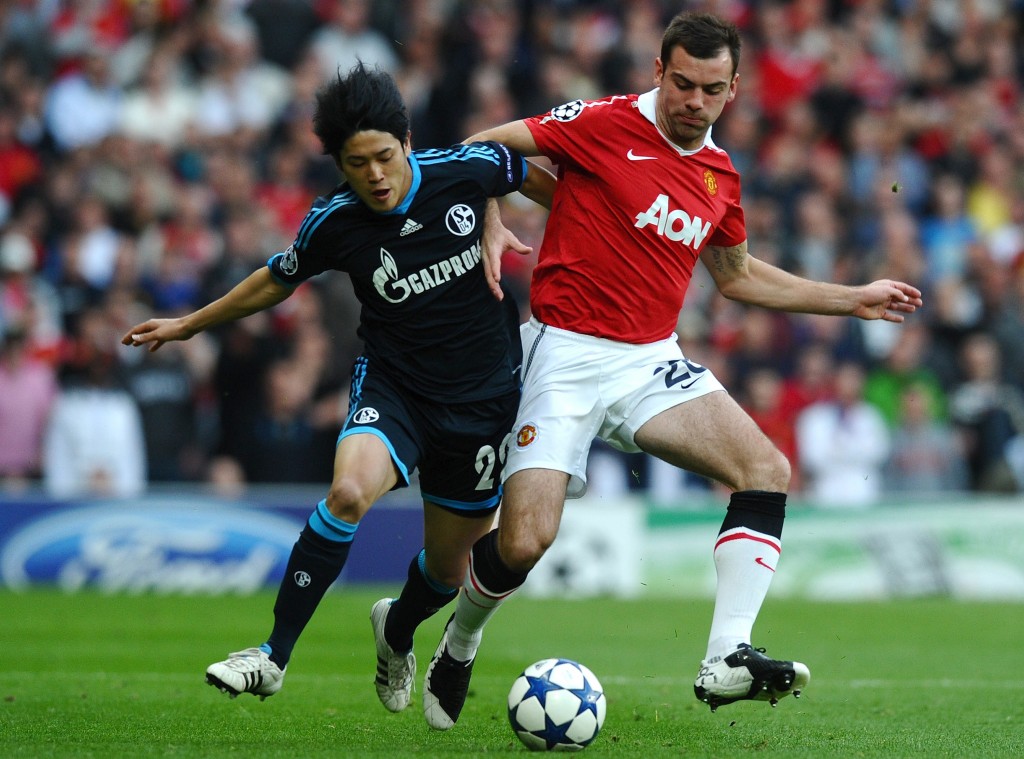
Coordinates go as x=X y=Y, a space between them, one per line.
x=746 y=553
x=489 y=582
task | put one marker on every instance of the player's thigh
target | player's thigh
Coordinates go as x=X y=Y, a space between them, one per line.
x=448 y=538
x=712 y=436
x=364 y=470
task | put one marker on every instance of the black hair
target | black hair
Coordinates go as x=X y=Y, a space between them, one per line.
x=703 y=36
x=364 y=99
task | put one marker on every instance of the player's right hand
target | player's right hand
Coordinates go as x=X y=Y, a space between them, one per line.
x=156 y=332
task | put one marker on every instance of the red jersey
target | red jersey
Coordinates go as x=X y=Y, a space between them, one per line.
x=631 y=213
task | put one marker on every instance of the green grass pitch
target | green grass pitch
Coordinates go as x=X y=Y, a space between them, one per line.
x=93 y=675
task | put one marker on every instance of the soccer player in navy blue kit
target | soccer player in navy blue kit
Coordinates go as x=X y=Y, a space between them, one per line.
x=437 y=386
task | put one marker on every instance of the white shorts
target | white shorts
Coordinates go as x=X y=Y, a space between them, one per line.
x=577 y=387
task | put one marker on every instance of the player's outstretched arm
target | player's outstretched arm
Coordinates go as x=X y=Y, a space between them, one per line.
x=743 y=278
x=254 y=293
x=539 y=183
x=515 y=134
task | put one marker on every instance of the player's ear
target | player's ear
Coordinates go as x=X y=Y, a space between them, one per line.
x=732 y=88
x=659 y=71
x=407 y=145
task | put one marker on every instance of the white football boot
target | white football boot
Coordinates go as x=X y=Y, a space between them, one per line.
x=248 y=671
x=748 y=675
x=395 y=672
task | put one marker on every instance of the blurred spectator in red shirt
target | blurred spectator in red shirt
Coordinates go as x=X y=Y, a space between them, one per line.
x=763 y=397
x=20 y=165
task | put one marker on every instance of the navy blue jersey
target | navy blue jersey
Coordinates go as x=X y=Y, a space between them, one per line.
x=427 y=316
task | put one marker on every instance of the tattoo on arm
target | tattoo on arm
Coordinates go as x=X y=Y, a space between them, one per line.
x=729 y=261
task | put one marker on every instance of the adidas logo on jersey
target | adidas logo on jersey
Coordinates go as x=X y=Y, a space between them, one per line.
x=409 y=227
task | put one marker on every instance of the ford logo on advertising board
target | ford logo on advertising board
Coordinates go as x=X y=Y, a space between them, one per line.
x=173 y=548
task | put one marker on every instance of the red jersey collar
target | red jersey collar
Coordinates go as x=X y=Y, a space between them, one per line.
x=647 y=105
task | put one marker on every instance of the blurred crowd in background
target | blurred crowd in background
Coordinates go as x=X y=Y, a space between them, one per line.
x=155 y=152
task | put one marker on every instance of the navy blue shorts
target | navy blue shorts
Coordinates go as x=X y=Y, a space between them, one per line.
x=459 y=449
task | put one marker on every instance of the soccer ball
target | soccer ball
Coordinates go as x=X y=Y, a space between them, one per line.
x=556 y=705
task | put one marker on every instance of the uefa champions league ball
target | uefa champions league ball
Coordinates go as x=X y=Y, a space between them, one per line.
x=556 y=705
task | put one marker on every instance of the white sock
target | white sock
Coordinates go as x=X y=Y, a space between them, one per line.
x=474 y=607
x=745 y=561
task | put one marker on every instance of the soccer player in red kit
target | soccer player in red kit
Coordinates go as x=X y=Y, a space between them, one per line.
x=643 y=193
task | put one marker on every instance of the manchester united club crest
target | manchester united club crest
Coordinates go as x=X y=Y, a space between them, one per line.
x=710 y=182
x=526 y=435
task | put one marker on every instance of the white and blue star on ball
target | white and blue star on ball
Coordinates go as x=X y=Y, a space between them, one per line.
x=539 y=689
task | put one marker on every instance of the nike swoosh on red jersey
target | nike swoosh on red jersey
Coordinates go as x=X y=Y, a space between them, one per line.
x=633 y=157
x=760 y=560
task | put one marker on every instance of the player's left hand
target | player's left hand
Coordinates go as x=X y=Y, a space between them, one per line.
x=888 y=300
x=156 y=332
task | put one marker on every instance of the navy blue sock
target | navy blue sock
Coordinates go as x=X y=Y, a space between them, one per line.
x=421 y=598
x=316 y=560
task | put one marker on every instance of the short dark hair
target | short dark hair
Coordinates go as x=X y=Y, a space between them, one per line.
x=702 y=35
x=364 y=99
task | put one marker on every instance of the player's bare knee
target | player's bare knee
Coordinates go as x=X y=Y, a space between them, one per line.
x=775 y=473
x=348 y=500
x=782 y=473
x=522 y=552
x=767 y=470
